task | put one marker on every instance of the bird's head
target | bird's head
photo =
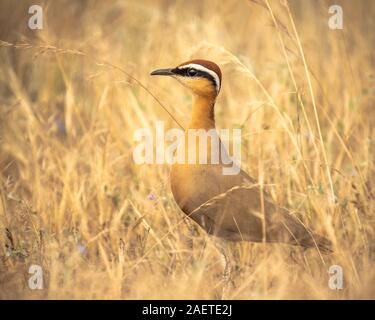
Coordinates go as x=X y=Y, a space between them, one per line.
x=202 y=77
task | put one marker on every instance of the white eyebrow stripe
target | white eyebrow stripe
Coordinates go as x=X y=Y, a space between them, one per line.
x=209 y=71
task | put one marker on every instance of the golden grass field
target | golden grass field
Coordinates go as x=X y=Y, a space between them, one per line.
x=72 y=94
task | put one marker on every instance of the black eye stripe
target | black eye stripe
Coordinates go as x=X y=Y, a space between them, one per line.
x=199 y=74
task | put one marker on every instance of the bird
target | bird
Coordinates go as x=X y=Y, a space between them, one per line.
x=232 y=207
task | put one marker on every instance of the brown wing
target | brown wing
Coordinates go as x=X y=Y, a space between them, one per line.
x=237 y=215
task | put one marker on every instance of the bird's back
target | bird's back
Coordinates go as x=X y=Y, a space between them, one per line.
x=234 y=207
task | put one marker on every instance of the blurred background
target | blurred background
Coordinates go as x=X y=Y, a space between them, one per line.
x=73 y=93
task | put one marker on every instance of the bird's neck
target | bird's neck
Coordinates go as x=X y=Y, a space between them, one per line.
x=202 y=115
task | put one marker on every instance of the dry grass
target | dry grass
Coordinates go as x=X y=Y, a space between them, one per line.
x=72 y=95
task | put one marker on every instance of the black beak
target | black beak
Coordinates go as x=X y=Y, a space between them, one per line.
x=162 y=72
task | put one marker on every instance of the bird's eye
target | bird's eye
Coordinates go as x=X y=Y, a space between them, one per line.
x=192 y=72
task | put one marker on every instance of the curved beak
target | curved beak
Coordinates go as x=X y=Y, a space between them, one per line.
x=162 y=72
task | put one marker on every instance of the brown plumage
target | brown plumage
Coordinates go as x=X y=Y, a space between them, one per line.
x=232 y=207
